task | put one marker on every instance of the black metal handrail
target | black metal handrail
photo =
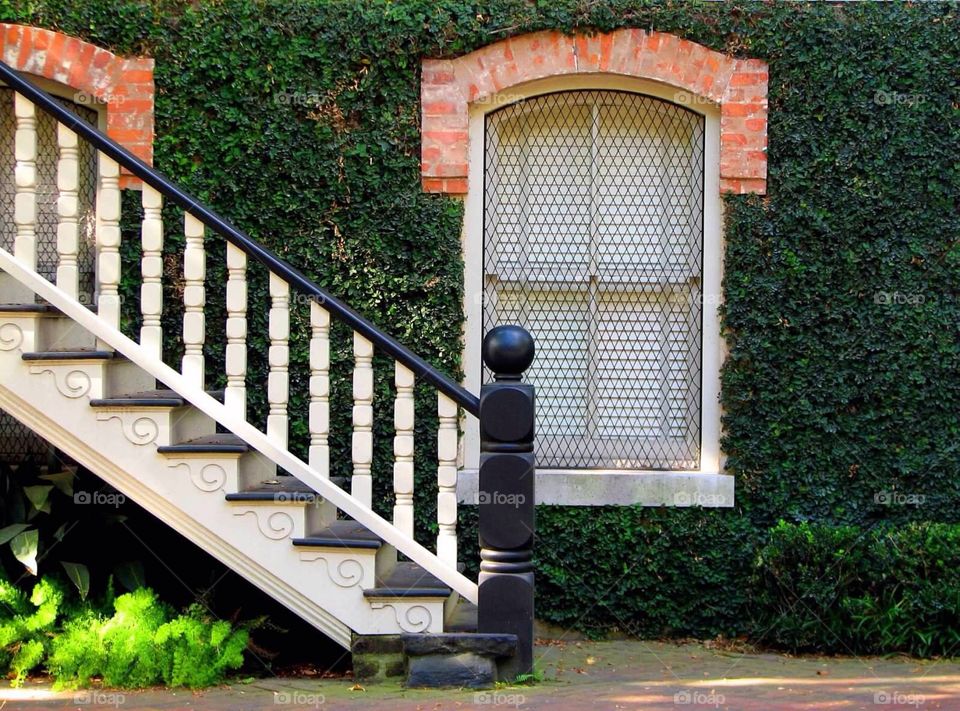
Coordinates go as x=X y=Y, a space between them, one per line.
x=238 y=238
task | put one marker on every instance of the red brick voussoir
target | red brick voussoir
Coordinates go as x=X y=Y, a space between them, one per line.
x=737 y=86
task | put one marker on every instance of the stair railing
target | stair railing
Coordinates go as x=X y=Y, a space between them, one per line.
x=409 y=368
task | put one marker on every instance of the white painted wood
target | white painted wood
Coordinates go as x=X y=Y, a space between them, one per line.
x=194 y=299
x=361 y=483
x=319 y=389
x=278 y=381
x=108 y=243
x=151 y=269
x=235 y=395
x=68 y=210
x=25 y=177
x=352 y=507
x=447 y=434
x=403 y=419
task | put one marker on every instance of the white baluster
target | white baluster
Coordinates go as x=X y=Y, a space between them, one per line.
x=68 y=210
x=108 y=244
x=403 y=418
x=25 y=177
x=278 y=382
x=151 y=269
x=235 y=396
x=361 y=484
x=194 y=299
x=447 y=435
x=319 y=388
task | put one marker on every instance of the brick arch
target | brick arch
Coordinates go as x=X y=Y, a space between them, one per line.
x=737 y=86
x=124 y=84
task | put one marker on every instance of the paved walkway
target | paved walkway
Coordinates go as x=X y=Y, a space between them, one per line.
x=594 y=676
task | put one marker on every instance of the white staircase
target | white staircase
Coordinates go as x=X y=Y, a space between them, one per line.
x=191 y=457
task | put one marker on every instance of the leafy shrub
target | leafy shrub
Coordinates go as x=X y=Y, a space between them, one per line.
x=26 y=625
x=143 y=644
x=849 y=590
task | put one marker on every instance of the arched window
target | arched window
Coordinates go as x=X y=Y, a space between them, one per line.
x=593 y=240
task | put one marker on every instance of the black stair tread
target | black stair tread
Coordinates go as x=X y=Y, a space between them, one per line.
x=341 y=534
x=38 y=308
x=149 y=398
x=209 y=444
x=281 y=489
x=72 y=354
x=27 y=308
x=408 y=579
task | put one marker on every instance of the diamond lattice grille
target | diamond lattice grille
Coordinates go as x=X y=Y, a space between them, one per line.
x=593 y=241
x=47 y=157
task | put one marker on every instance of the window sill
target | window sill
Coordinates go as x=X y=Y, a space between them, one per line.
x=595 y=487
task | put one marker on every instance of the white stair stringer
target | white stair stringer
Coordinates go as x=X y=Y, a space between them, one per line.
x=252 y=538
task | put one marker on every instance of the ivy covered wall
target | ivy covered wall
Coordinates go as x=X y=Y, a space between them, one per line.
x=300 y=121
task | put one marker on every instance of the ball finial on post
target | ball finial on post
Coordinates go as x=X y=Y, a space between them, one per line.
x=508 y=351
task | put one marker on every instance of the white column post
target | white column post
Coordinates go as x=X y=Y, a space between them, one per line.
x=319 y=389
x=447 y=435
x=403 y=419
x=361 y=484
x=235 y=396
x=278 y=381
x=68 y=210
x=151 y=269
x=194 y=299
x=108 y=244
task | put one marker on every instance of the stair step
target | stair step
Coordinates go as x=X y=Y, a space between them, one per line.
x=27 y=309
x=149 y=398
x=408 y=579
x=210 y=444
x=463 y=619
x=78 y=354
x=341 y=534
x=280 y=490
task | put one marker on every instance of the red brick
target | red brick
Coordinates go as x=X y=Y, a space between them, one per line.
x=748 y=78
x=660 y=56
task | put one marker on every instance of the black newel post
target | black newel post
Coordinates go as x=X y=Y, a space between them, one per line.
x=506 y=494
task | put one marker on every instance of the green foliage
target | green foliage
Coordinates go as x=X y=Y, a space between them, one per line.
x=143 y=644
x=298 y=119
x=26 y=624
x=865 y=591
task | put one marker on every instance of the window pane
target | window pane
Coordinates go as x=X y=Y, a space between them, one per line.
x=593 y=242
